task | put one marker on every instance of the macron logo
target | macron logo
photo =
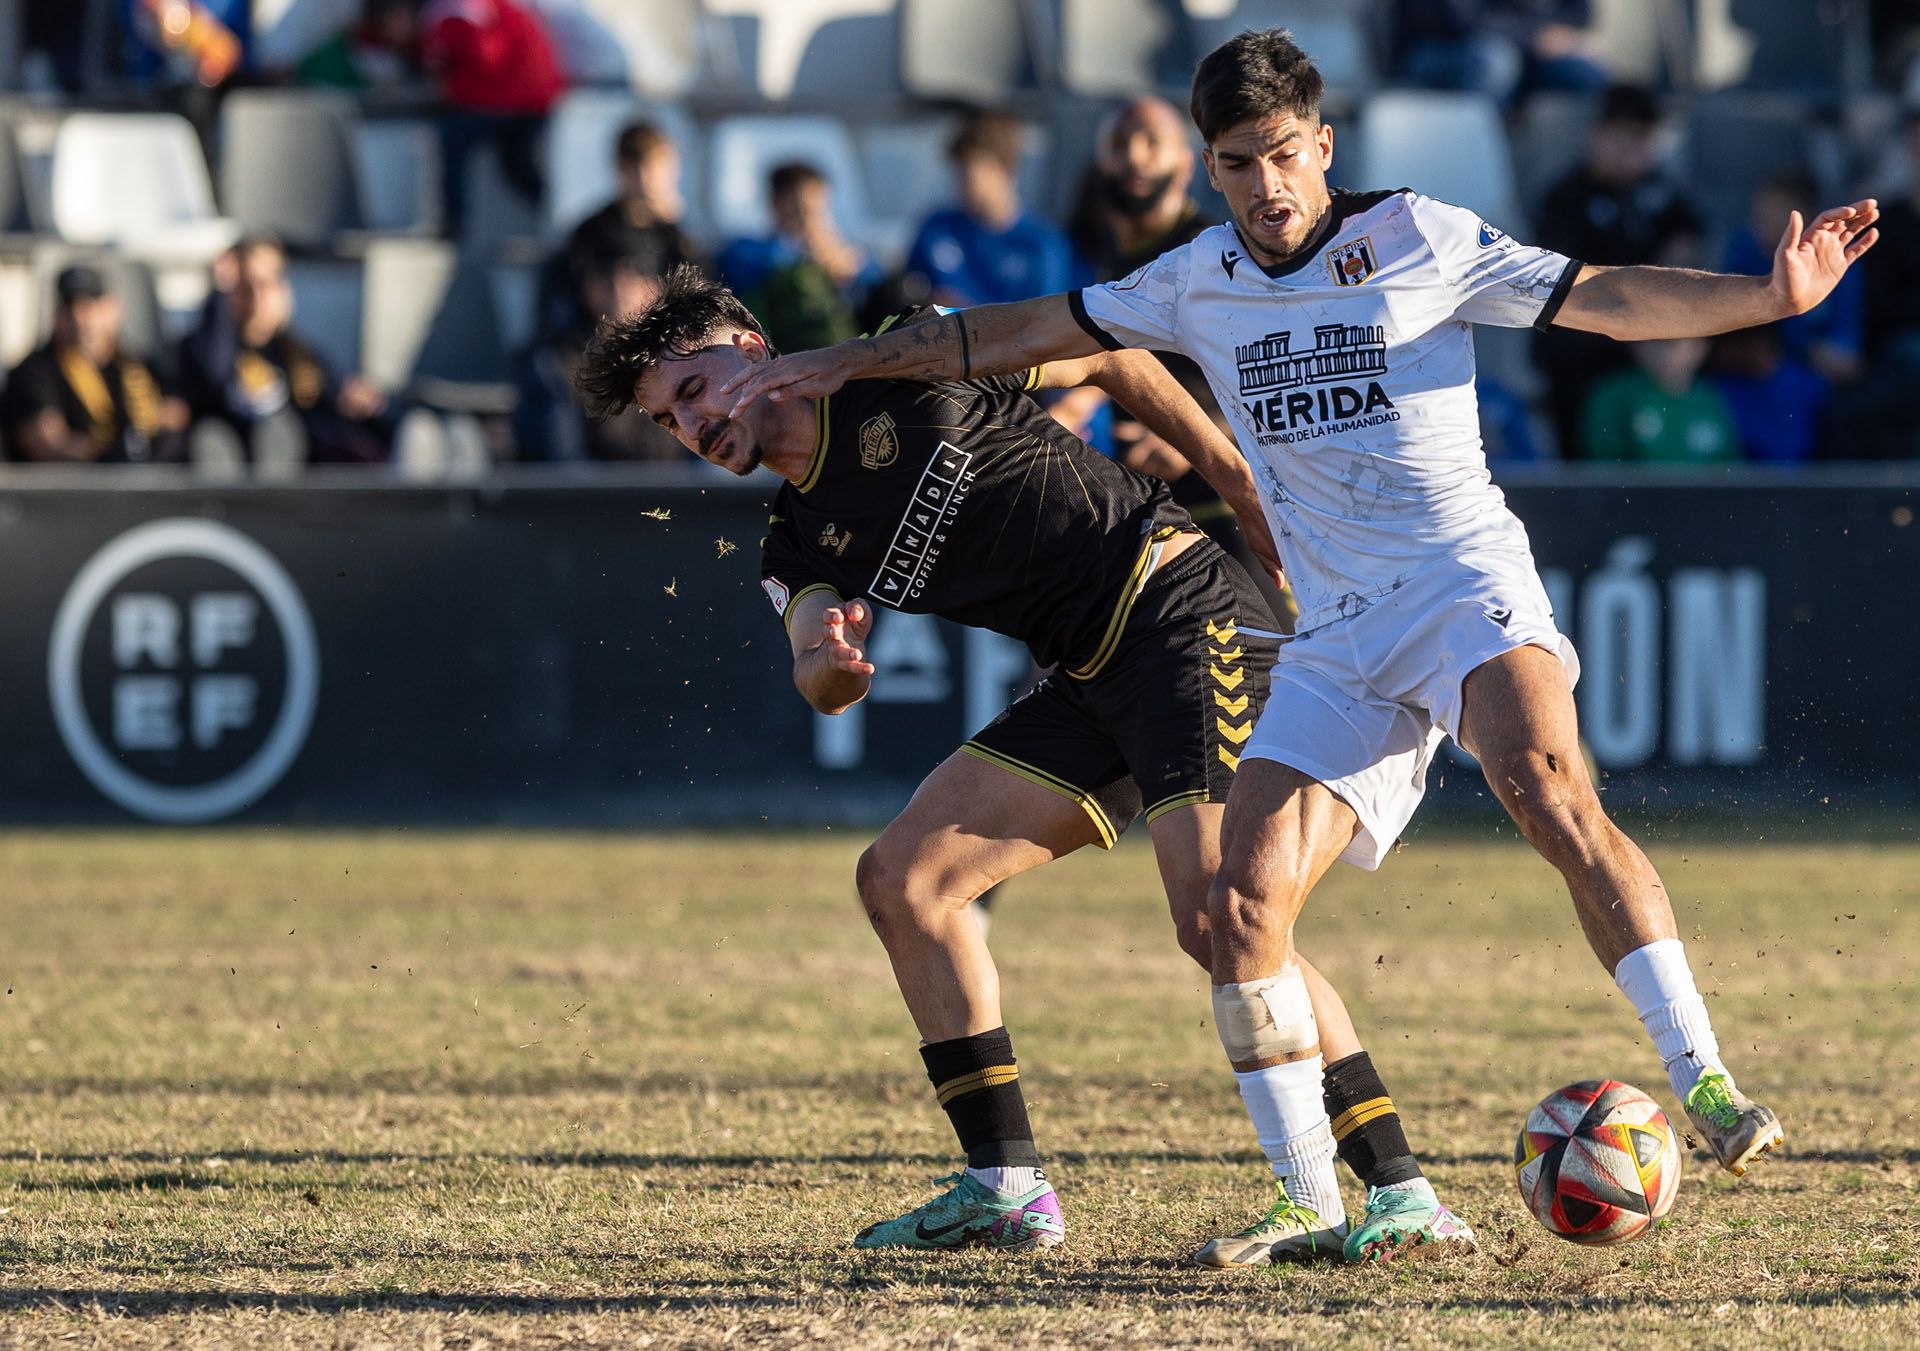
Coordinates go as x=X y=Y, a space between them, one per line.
x=1230 y=259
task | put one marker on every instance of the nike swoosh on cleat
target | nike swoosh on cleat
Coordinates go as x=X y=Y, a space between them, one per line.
x=920 y=1230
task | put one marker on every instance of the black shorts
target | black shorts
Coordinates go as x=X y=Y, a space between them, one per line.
x=1161 y=724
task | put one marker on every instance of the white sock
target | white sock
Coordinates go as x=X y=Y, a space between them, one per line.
x=1290 y=1118
x=1017 y=1181
x=1656 y=978
x=1419 y=1186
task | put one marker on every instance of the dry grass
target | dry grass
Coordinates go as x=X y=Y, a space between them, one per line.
x=276 y=1089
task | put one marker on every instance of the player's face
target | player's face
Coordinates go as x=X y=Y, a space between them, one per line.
x=1273 y=172
x=682 y=395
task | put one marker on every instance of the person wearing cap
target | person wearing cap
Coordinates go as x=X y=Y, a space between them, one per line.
x=80 y=400
x=1618 y=209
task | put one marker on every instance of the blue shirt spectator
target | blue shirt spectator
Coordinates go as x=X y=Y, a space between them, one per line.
x=804 y=231
x=1830 y=338
x=1779 y=402
x=989 y=249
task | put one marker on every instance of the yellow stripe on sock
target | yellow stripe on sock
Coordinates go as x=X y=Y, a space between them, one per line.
x=1359 y=1115
x=991 y=1077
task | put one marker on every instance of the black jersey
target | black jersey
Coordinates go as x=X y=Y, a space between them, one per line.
x=968 y=501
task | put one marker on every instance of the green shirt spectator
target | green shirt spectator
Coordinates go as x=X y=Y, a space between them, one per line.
x=1659 y=410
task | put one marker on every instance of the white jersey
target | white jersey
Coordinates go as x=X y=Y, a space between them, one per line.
x=1348 y=375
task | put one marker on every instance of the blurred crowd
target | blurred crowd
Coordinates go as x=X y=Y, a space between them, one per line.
x=243 y=387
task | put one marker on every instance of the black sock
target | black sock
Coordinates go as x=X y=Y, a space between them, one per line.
x=1366 y=1128
x=978 y=1085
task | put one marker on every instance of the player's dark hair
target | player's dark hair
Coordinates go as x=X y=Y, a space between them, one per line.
x=1256 y=74
x=690 y=310
x=791 y=177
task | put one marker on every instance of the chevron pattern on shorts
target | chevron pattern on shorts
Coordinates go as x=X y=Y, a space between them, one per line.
x=1233 y=718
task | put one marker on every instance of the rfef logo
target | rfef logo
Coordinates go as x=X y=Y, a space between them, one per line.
x=183 y=670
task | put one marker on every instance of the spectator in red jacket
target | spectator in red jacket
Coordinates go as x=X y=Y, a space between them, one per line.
x=499 y=73
x=490 y=56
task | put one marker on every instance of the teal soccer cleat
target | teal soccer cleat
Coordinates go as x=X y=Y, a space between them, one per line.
x=1400 y=1219
x=973 y=1215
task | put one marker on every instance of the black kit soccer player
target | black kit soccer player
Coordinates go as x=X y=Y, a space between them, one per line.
x=965 y=499
x=1336 y=330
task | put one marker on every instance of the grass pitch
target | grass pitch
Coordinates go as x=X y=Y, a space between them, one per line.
x=264 y=1089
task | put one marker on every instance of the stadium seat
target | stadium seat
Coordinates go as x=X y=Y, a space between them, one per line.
x=1112 y=48
x=17 y=215
x=287 y=164
x=398 y=162
x=580 y=137
x=429 y=327
x=1735 y=141
x=1335 y=33
x=656 y=48
x=910 y=158
x=326 y=308
x=787 y=39
x=1549 y=142
x=981 y=51
x=1636 y=35
x=136 y=180
x=1449 y=146
x=1764 y=44
x=742 y=151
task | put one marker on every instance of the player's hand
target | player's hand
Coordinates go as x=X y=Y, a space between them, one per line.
x=1810 y=261
x=1259 y=537
x=844 y=629
x=802 y=375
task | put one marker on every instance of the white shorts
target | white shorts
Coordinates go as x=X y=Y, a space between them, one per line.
x=1361 y=704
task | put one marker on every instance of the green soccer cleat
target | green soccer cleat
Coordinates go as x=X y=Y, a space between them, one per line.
x=973 y=1215
x=1288 y=1232
x=1737 y=1129
x=1400 y=1219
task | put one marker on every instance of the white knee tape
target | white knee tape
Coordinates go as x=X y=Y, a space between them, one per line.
x=1266 y=1018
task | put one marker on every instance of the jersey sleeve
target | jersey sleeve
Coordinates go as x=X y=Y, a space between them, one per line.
x=1141 y=309
x=1493 y=278
x=784 y=573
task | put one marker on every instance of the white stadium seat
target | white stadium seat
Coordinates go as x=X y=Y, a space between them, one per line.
x=784 y=30
x=1449 y=146
x=656 y=47
x=580 y=139
x=1113 y=48
x=137 y=180
x=743 y=150
x=1333 y=32
x=978 y=51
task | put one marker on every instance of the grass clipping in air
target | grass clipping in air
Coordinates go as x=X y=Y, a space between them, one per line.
x=274 y=1089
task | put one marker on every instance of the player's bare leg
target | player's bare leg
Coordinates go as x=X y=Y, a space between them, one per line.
x=1518 y=719
x=970 y=825
x=1282 y=831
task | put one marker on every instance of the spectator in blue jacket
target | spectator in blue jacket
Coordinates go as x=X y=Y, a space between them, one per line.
x=990 y=249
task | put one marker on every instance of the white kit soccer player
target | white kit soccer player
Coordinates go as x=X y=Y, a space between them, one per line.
x=1348 y=373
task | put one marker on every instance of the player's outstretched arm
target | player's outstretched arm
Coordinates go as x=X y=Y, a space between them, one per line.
x=1632 y=303
x=1138 y=381
x=990 y=340
x=830 y=666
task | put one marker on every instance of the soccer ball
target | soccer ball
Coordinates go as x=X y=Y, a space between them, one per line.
x=1597 y=1162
